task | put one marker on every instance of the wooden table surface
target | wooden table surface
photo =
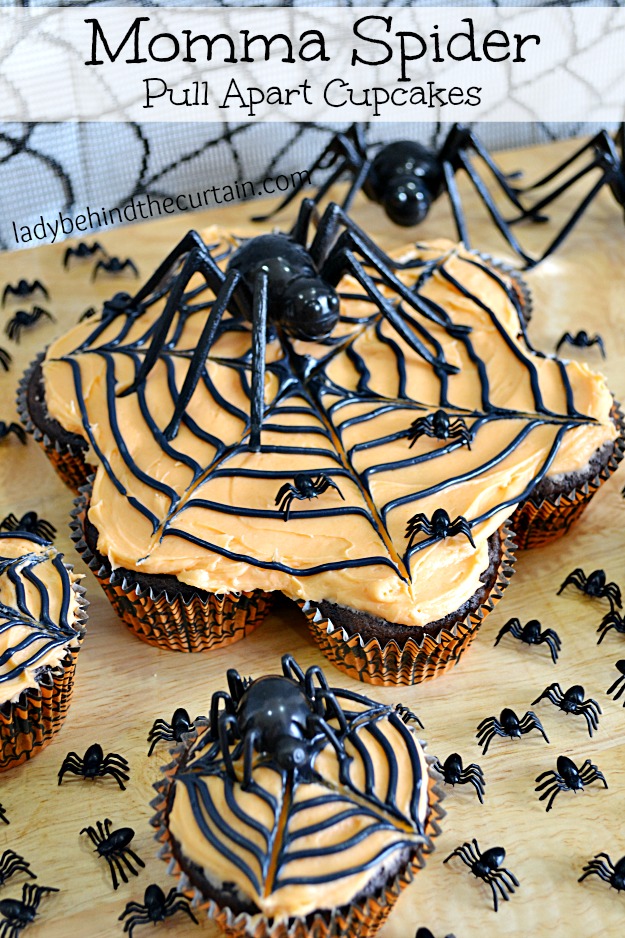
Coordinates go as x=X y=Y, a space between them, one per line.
x=123 y=684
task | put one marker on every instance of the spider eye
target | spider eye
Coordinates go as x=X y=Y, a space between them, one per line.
x=311 y=310
x=407 y=201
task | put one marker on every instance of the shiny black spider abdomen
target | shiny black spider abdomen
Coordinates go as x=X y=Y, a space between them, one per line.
x=278 y=712
x=487 y=867
x=94 y=764
x=18 y=913
x=114 y=847
x=405 y=178
x=181 y=723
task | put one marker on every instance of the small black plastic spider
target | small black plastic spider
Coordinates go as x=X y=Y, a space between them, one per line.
x=24 y=288
x=508 y=724
x=24 y=320
x=156 y=908
x=18 y=913
x=614 y=874
x=620 y=666
x=181 y=723
x=612 y=621
x=567 y=777
x=594 y=585
x=487 y=866
x=94 y=764
x=406 y=177
x=31 y=523
x=581 y=339
x=438 y=528
x=454 y=773
x=5 y=359
x=303 y=486
x=531 y=634
x=426 y=933
x=113 y=265
x=88 y=313
x=3 y=814
x=440 y=426
x=114 y=847
x=82 y=251
x=16 y=428
x=12 y=863
x=572 y=701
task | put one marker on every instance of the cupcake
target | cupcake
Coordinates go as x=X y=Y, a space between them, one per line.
x=42 y=615
x=303 y=819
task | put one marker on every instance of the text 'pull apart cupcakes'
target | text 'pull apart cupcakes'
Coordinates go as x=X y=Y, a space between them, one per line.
x=376 y=479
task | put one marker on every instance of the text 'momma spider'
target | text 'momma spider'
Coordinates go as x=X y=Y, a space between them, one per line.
x=572 y=701
x=18 y=913
x=593 y=585
x=113 y=845
x=531 y=634
x=156 y=908
x=487 y=866
x=303 y=486
x=94 y=764
x=454 y=773
x=508 y=724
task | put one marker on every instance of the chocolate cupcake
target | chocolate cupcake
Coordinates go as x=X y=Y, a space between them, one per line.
x=303 y=819
x=42 y=615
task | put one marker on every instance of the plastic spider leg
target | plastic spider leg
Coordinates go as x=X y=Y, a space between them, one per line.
x=215 y=714
x=478 y=783
x=93 y=837
x=321 y=726
x=590 y=773
x=356 y=185
x=492 y=882
x=127 y=855
x=252 y=738
x=259 y=343
x=531 y=722
x=181 y=906
x=333 y=708
x=620 y=666
x=285 y=504
x=466 y=853
x=119 y=776
x=600 y=143
x=488 y=736
x=226 y=721
x=458 y=140
x=5 y=359
x=135 y=920
x=553 y=647
x=599 y=869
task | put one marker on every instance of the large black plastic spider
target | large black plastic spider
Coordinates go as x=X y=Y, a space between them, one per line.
x=24 y=288
x=567 y=777
x=454 y=773
x=487 y=866
x=113 y=265
x=619 y=683
x=438 y=527
x=581 y=339
x=277 y=278
x=531 y=634
x=601 y=865
x=15 y=428
x=612 y=621
x=18 y=913
x=113 y=845
x=5 y=359
x=24 y=320
x=82 y=251
x=181 y=723
x=31 y=523
x=156 y=908
x=406 y=177
x=593 y=585
x=94 y=764
x=572 y=701
x=12 y=863
x=439 y=425
x=508 y=724
x=303 y=486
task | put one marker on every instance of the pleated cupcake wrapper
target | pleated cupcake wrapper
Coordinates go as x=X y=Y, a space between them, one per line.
x=161 y=617
x=538 y=524
x=361 y=919
x=31 y=721
x=414 y=660
x=67 y=460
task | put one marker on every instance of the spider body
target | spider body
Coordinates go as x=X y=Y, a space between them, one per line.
x=31 y=523
x=601 y=865
x=426 y=933
x=94 y=764
x=572 y=701
x=508 y=724
x=156 y=908
x=15 y=428
x=531 y=634
x=581 y=339
x=181 y=723
x=18 y=913
x=114 y=265
x=487 y=866
x=437 y=528
x=440 y=426
x=594 y=585
x=24 y=288
x=5 y=359
x=24 y=320
x=619 y=683
x=88 y=313
x=113 y=845
x=82 y=251
x=454 y=773
x=612 y=621
x=567 y=777
x=12 y=863
x=303 y=486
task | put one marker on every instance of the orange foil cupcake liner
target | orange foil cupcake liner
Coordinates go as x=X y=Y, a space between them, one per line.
x=414 y=660
x=162 y=618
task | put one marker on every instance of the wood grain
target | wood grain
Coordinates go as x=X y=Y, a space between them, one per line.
x=122 y=684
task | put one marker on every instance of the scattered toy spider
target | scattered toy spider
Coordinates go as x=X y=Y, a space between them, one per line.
x=3 y=814
x=572 y=701
x=12 y=863
x=82 y=251
x=24 y=320
x=620 y=666
x=88 y=313
x=487 y=866
x=303 y=486
x=16 y=428
x=156 y=908
x=439 y=527
x=95 y=764
x=440 y=426
x=567 y=777
x=24 y=288
x=508 y=724
x=531 y=634
x=612 y=621
x=113 y=265
x=581 y=340
x=614 y=874
x=406 y=177
x=454 y=773
x=114 y=847
x=5 y=359
x=18 y=913
x=31 y=524
x=181 y=723
x=593 y=585
x=277 y=277
x=426 y=933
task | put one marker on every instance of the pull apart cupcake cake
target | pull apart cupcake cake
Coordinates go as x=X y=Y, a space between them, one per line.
x=368 y=452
